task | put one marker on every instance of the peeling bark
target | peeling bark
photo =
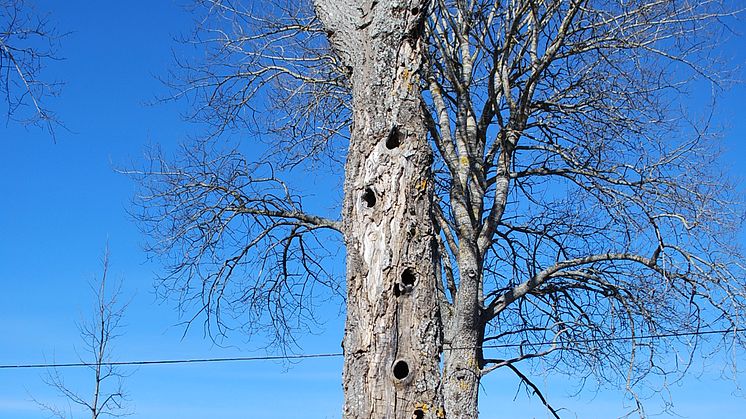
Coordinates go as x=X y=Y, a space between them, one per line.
x=392 y=334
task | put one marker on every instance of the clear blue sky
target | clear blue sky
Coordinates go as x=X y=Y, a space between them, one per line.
x=60 y=203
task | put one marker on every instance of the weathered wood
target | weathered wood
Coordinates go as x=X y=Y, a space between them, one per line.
x=392 y=335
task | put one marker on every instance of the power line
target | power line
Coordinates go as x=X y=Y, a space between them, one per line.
x=618 y=338
x=339 y=354
x=176 y=361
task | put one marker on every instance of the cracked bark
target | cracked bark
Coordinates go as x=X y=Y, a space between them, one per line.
x=392 y=333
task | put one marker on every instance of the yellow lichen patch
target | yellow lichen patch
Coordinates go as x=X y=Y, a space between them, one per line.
x=463 y=384
x=422 y=185
x=413 y=82
x=405 y=74
x=440 y=413
x=422 y=406
x=464 y=160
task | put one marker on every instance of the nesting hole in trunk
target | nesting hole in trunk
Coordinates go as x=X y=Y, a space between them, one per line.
x=369 y=198
x=408 y=278
x=401 y=369
x=406 y=282
x=418 y=414
x=393 y=140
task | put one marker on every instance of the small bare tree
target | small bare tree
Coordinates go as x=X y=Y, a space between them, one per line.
x=27 y=44
x=519 y=185
x=107 y=397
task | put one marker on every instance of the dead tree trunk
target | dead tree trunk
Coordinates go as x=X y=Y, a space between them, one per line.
x=392 y=334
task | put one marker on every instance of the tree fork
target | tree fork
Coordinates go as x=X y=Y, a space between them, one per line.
x=392 y=335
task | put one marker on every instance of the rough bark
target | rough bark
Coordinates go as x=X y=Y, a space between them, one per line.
x=392 y=334
x=463 y=335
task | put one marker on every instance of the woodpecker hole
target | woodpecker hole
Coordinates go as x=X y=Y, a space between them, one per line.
x=415 y=10
x=407 y=277
x=393 y=141
x=418 y=414
x=369 y=197
x=406 y=282
x=401 y=370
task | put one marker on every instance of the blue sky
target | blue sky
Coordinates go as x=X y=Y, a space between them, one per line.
x=61 y=202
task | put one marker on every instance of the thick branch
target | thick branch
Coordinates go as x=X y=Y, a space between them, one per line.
x=517 y=292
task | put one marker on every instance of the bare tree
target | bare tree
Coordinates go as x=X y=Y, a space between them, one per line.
x=519 y=184
x=107 y=397
x=27 y=44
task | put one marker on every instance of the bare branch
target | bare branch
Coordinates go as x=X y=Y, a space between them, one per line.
x=239 y=240
x=268 y=71
x=27 y=45
x=534 y=389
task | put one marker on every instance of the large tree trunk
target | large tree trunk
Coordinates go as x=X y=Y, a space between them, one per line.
x=392 y=335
